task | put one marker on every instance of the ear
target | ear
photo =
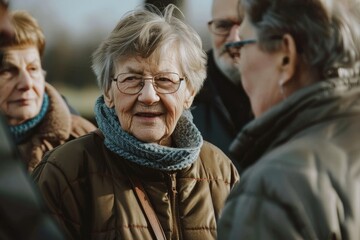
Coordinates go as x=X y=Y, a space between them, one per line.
x=288 y=59
x=189 y=98
x=109 y=98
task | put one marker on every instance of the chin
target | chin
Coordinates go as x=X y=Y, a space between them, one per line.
x=147 y=138
x=25 y=116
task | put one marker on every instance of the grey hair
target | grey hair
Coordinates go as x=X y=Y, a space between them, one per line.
x=326 y=32
x=149 y=33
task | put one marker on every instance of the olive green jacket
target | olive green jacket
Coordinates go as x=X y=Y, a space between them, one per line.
x=86 y=188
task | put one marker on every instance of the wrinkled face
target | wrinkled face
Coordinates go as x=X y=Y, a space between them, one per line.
x=22 y=84
x=225 y=10
x=260 y=72
x=149 y=116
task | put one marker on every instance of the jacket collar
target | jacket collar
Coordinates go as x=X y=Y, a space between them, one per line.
x=306 y=107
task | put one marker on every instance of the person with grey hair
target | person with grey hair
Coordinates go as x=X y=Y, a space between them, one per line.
x=146 y=173
x=300 y=65
x=222 y=108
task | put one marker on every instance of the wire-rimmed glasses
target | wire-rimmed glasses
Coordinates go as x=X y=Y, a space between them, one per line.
x=133 y=83
x=221 y=26
x=239 y=44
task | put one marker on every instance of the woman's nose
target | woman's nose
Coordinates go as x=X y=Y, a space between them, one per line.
x=148 y=94
x=25 y=81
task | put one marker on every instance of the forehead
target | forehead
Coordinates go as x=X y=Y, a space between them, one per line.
x=153 y=64
x=165 y=54
x=225 y=9
x=21 y=53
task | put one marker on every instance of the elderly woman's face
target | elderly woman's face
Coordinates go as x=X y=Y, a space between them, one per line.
x=22 y=84
x=260 y=72
x=149 y=116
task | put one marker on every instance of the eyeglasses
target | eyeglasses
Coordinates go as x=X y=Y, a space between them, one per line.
x=239 y=44
x=132 y=83
x=221 y=26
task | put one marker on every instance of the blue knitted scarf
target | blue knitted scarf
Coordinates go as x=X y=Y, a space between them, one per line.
x=23 y=130
x=186 y=137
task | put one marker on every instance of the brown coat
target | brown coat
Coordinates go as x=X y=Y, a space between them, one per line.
x=58 y=127
x=87 y=189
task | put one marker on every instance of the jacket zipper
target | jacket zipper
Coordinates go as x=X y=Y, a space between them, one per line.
x=175 y=208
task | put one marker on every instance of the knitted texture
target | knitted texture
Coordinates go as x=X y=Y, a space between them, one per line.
x=21 y=131
x=186 y=137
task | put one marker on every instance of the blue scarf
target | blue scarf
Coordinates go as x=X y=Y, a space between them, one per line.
x=22 y=131
x=186 y=137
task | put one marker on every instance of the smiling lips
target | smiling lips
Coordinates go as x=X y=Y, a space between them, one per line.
x=148 y=114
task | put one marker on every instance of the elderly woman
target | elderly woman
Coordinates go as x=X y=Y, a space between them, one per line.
x=22 y=214
x=146 y=174
x=38 y=117
x=299 y=62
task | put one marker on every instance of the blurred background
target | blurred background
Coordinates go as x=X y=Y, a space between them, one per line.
x=73 y=30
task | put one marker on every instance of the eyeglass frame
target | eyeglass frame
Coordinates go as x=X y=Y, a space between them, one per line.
x=143 y=79
x=239 y=44
x=225 y=20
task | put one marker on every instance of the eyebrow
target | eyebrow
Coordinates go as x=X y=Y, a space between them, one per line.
x=133 y=70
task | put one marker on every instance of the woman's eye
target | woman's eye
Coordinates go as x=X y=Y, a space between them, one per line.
x=7 y=71
x=33 y=68
x=163 y=79
x=133 y=78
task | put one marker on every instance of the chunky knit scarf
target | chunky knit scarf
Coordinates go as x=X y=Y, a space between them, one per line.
x=23 y=130
x=186 y=138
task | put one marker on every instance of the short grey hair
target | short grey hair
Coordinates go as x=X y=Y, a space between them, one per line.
x=143 y=32
x=326 y=32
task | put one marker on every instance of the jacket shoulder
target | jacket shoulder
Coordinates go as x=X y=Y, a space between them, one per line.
x=78 y=155
x=80 y=126
x=217 y=163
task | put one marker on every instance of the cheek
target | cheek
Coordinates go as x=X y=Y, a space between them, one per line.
x=218 y=42
x=5 y=92
x=246 y=69
x=174 y=106
x=123 y=108
x=257 y=72
x=39 y=89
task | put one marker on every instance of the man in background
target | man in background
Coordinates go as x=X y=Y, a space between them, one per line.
x=222 y=107
x=22 y=215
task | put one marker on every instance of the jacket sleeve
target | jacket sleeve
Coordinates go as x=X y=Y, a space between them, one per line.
x=251 y=217
x=270 y=203
x=56 y=191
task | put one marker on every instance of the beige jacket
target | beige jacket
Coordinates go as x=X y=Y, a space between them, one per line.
x=58 y=127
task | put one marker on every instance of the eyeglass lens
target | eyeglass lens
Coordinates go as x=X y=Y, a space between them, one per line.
x=221 y=27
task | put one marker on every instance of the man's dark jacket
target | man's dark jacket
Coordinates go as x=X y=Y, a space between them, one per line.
x=221 y=108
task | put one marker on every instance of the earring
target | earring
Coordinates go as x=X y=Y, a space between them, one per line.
x=285 y=60
x=281 y=87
